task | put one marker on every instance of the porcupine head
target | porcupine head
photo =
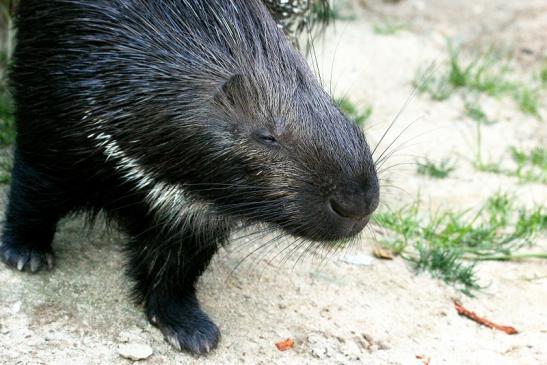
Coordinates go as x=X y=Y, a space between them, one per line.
x=260 y=139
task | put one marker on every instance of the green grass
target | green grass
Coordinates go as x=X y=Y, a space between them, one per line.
x=528 y=99
x=6 y=164
x=438 y=170
x=474 y=111
x=359 y=116
x=7 y=124
x=543 y=75
x=7 y=128
x=325 y=12
x=7 y=133
x=482 y=74
x=528 y=166
x=488 y=73
x=429 y=81
x=389 y=27
x=449 y=244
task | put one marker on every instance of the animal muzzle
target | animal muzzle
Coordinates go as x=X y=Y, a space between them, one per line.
x=350 y=207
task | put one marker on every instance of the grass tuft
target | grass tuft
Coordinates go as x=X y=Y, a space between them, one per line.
x=446 y=264
x=7 y=123
x=528 y=99
x=488 y=73
x=323 y=13
x=530 y=166
x=427 y=81
x=353 y=112
x=543 y=75
x=438 y=170
x=527 y=166
x=474 y=111
x=389 y=27
x=6 y=164
x=449 y=244
x=326 y=12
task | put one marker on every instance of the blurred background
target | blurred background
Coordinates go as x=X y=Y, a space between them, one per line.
x=453 y=98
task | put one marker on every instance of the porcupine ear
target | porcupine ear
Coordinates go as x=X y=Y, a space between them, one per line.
x=232 y=91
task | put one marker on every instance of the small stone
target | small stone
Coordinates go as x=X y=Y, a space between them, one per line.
x=359 y=260
x=135 y=351
x=16 y=308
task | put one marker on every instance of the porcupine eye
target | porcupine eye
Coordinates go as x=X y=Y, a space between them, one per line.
x=264 y=137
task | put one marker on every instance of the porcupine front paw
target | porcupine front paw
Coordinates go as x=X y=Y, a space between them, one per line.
x=185 y=325
x=26 y=259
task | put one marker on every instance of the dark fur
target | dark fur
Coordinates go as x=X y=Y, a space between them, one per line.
x=181 y=119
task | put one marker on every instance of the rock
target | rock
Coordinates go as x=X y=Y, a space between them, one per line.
x=16 y=308
x=359 y=260
x=131 y=335
x=135 y=351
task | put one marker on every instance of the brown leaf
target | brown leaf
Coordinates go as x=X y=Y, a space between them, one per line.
x=462 y=311
x=285 y=344
x=382 y=253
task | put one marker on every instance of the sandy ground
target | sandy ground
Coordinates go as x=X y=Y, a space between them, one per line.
x=337 y=312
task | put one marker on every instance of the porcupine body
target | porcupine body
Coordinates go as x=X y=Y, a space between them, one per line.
x=180 y=119
x=296 y=16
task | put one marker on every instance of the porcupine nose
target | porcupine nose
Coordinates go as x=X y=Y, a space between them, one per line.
x=355 y=202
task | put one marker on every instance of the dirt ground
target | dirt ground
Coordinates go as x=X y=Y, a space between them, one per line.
x=337 y=311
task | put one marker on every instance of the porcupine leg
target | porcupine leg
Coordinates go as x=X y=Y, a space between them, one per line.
x=36 y=203
x=166 y=267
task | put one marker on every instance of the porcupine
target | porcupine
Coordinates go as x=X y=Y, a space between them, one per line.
x=181 y=119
